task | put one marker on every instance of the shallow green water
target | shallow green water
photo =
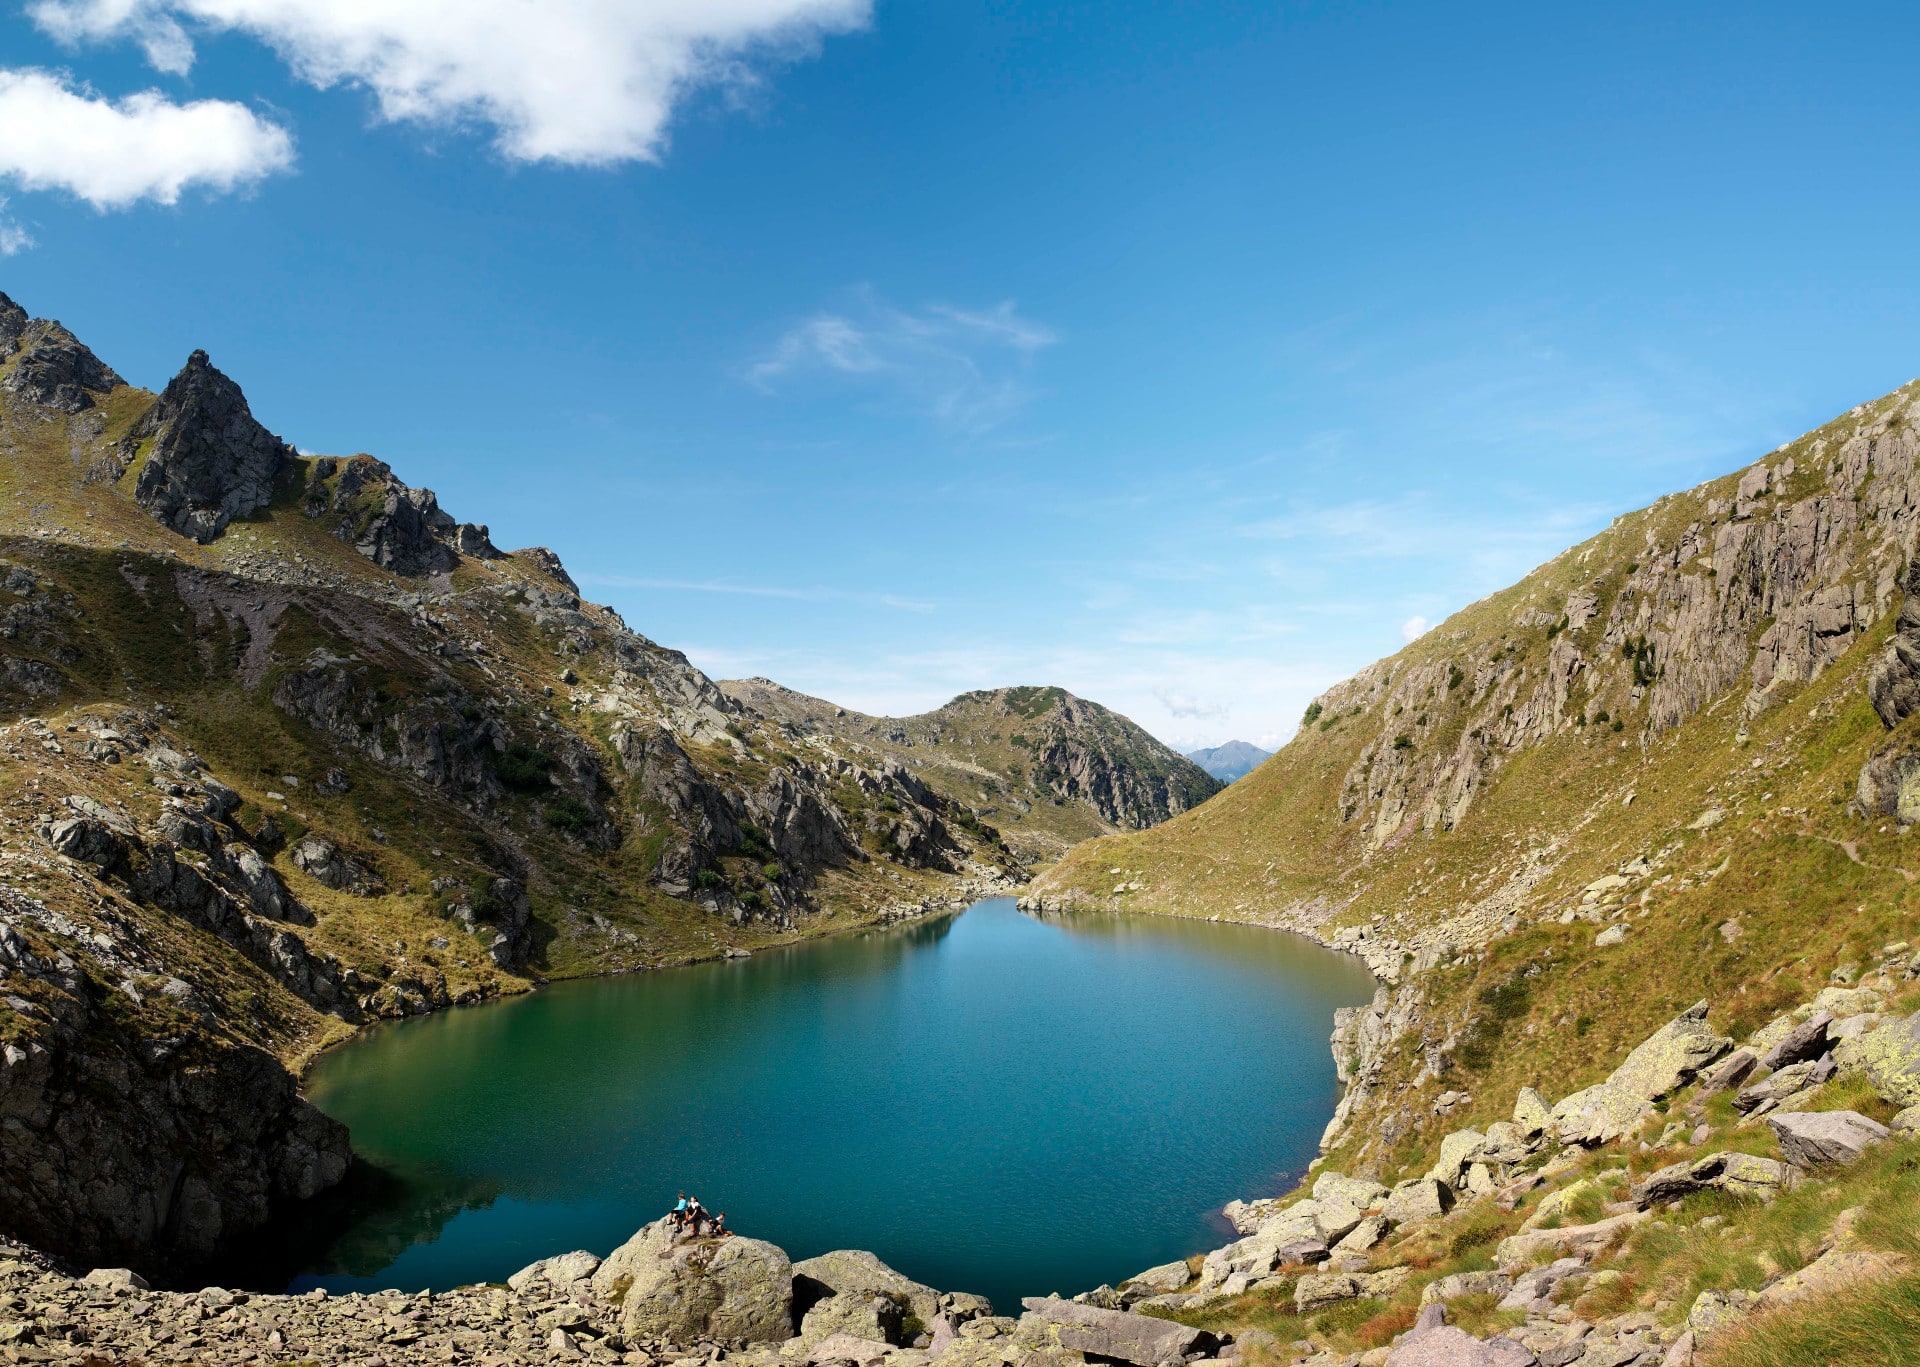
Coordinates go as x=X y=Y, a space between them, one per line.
x=992 y=1103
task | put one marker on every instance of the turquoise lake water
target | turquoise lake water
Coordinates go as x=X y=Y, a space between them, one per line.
x=993 y=1102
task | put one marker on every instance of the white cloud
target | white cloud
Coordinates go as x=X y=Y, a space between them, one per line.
x=1187 y=708
x=55 y=136
x=1414 y=628
x=584 y=82
x=967 y=368
x=13 y=237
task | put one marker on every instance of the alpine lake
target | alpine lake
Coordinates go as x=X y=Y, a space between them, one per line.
x=991 y=1101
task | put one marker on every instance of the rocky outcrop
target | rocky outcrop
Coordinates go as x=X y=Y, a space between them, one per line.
x=111 y=1151
x=45 y=364
x=204 y=460
x=397 y=527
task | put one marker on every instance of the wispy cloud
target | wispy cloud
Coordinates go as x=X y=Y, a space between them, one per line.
x=13 y=237
x=969 y=369
x=1186 y=708
x=789 y=592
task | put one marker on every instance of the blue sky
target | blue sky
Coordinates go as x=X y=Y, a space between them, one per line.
x=1187 y=355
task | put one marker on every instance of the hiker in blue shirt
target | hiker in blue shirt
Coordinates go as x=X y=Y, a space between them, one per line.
x=679 y=1216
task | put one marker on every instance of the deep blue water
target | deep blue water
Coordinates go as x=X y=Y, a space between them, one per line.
x=992 y=1103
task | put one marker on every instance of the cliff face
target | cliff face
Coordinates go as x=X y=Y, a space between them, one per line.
x=1550 y=817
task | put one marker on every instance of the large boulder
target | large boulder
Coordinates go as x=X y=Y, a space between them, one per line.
x=1890 y=1057
x=876 y=1319
x=858 y=1275
x=1669 y=1059
x=1807 y=1040
x=1447 y=1346
x=1423 y=1198
x=1741 y=1173
x=1579 y=1241
x=1819 y=1139
x=681 y=1288
x=1114 y=1335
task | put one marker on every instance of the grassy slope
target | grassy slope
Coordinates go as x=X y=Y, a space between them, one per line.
x=1811 y=887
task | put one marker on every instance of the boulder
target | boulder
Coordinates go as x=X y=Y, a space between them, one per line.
x=562 y=1272
x=1890 y=1057
x=1813 y=1139
x=849 y=1348
x=1115 y=1335
x=1458 y=1284
x=682 y=1289
x=1730 y=1071
x=1447 y=1346
x=1576 y=1240
x=1363 y=1236
x=87 y=841
x=1332 y=1187
x=120 y=1278
x=1714 y=1310
x=1167 y=1277
x=1457 y=1151
x=1789 y=1081
x=1805 y=1041
x=872 y=1318
x=1531 y=1114
x=1540 y=1283
x=1744 y=1174
x=1423 y=1198
x=1315 y=1290
x=1666 y=1061
x=1907 y=1122
x=855 y=1272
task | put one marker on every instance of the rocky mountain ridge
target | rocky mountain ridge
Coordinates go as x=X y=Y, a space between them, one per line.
x=1045 y=767
x=295 y=749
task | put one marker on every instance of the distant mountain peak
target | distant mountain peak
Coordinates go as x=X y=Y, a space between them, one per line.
x=1233 y=760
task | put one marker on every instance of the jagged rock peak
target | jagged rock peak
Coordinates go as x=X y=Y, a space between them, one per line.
x=396 y=526
x=548 y=564
x=210 y=460
x=53 y=368
x=13 y=325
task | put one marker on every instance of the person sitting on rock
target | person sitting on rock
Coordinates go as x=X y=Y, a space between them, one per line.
x=679 y=1215
x=696 y=1213
x=718 y=1227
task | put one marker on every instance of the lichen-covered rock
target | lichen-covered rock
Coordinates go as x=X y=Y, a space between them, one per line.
x=1423 y=1198
x=855 y=1273
x=1744 y=1174
x=1890 y=1057
x=1447 y=1346
x=1112 y=1335
x=684 y=1288
x=1455 y=1285
x=1817 y=1139
x=1575 y=1240
x=1671 y=1057
x=204 y=459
